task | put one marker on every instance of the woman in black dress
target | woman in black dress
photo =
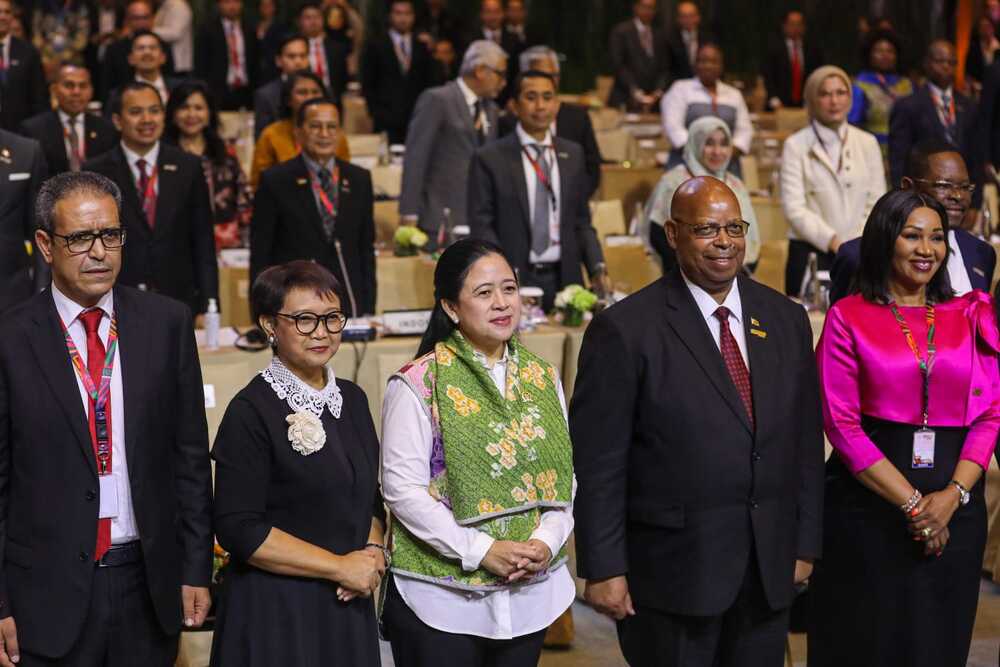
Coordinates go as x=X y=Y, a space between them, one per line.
x=297 y=501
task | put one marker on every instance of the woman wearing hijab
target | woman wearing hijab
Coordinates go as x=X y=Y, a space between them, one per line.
x=708 y=152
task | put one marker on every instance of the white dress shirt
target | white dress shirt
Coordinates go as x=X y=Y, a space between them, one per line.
x=150 y=158
x=78 y=125
x=684 y=92
x=553 y=253
x=959 y=275
x=173 y=23
x=160 y=85
x=642 y=29
x=690 y=39
x=407 y=441
x=470 y=100
x=237 y=70
x=317 y=59
x=123 y=526
x=403 y=45
x=708 y=305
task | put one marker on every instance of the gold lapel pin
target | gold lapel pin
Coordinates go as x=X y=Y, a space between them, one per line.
x=563 y=156
x=754 y=322
x=5 y=155
x=758 y=333
x=170 y=167
x=93 y=135
x=301 y=181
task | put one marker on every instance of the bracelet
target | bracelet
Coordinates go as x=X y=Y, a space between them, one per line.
x=908 y=506
x=386 y=554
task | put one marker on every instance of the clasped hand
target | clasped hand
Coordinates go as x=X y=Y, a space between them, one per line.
x=934 y=511
x=517 y=560
x=361 y=573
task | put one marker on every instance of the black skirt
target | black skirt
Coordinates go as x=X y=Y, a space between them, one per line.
x=877 y=600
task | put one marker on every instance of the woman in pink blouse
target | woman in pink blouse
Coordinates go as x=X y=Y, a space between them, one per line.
x=911 y=405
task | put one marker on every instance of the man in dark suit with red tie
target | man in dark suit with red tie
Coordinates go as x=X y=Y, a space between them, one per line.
x=105 y=480
x=327 y=58
x=167 y=213
x=23 y=92
x=698 y=452
x=226 y=57
x=790 y=63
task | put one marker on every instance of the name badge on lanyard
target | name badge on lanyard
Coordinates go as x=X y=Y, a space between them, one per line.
x=923 y=437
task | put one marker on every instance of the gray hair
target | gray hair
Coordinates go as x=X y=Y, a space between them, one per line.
x=481 y=52
x=535 y=54
x=69 y=183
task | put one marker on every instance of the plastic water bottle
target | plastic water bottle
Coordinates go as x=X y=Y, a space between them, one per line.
x=212 y=326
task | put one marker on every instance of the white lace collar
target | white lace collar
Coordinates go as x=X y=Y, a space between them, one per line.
x=300 y=396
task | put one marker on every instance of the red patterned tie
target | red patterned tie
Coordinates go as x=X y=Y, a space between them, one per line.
x=734 y=361
x=91 y=320
x=796 y=74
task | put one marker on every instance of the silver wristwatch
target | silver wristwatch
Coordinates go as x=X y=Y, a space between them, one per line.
x=963 y=495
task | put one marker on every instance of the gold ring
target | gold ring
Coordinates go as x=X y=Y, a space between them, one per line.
x=927 y=532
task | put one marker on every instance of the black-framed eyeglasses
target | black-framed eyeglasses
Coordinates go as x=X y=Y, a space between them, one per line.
x=307 y=323
x=948 y=186
x=80 y=243
x=736 y=229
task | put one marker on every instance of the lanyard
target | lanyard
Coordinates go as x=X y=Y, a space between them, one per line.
x=883 y=83
x=99 y=395
x=843 y=145
x=79 y=149
x=926 y=365
x=540 y=174
x=330 y=205
x=946 y=114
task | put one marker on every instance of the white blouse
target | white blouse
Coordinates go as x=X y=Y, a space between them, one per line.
x=407 y=440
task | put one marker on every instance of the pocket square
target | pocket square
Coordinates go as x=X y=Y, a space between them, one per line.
x=20 y=176
x=979 y=272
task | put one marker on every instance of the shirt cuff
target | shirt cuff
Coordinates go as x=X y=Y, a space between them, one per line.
x=477 y=552
x=550 y=539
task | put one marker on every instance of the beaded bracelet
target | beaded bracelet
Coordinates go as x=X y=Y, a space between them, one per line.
x=914 y=500
x=386 y=554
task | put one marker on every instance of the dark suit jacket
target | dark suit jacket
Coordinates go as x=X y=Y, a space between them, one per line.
x=117 y=71
x=978 y=256
x=499 y=209
x=391 y=95
x=445 y=26
x=100 y=136
x=212 y=55
x=176 y=257
x=680 y=66
x=286 y=225
x=778 y=70
x=632 y=67
x=266 y=105
x=49 y=502
x=914 y=118
x=573 y=123
x=675 y=489
x=24 y=92
x=336 y=58
x=21 y=175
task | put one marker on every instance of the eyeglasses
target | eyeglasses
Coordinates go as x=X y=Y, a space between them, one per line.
x=307 y=323
x=502 y=73
x=80 y=243
x=948 y=186
x=736 y=229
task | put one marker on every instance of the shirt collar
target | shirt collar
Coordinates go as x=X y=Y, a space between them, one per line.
x=470 y=97
x=314 y=166
x=708 y=305
x=65 y=117
x=940 y=93
x=149 y=157
x=70 y=310
x=158 y=82
x=397 y=36
x=526 y=139
x=640 y=26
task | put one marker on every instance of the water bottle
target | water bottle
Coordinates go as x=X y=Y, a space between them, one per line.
x=212 y=326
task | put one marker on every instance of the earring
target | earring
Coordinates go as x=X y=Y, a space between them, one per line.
x=270 y=339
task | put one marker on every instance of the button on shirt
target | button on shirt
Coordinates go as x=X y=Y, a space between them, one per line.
x=123 y=527
x=957 y=273
x=554 y=253
x=707 y=305
x=407 y=439
x=150 y=159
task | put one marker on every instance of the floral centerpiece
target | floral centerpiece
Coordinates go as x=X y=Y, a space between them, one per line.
x=408 y=241
x=572 y=302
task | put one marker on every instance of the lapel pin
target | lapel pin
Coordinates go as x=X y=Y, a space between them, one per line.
x=979 y=272
x=15 y=63
x=563 y=156
x=301 y=181
x=93 y=135
x=170 y=167
x=5 y=156
x=346 y=186
x=760 y=334
x=754 y=322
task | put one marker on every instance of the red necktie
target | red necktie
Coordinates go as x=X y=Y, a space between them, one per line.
x=796 y=74
x=147 y=191
x=734 y=362
x=234 y=56
x=318 y=67
x=91 y=320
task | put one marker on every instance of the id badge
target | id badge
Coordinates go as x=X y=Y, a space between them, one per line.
x=923 y=448
x=109 y=496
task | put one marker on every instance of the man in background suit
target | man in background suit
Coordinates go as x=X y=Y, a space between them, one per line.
x=790 y=63
x=106 y=505
x=686 y=37
x=327 y=58
x=436 y=23
x=698 y=452
x=293 y=56
x=639 y=60
x=22 y=170
x=937 y=170
x=395 y=69
x=226 y=56
x=572 y=121
x=147 y=58
x=527 y=193
x=116 y=69
x=320 y=208
x=167 y=215
x=448 y=124
x=23 y=91
x=69 y=135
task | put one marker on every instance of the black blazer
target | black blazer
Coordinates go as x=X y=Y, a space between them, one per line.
x=680 y=66
x=100 y=136
x=49 y=502
x=286 y=225
x=266 y=106
x=778 y=70
x=116 y=70
x=176 y=257
x=978 y=256
x=572 y=123
x=23 y=92
x=632 y=67
x=674 y=486
x=498 y=206
x=22 y=171
x=212 y=55
x=391 y=95
x=336 y=59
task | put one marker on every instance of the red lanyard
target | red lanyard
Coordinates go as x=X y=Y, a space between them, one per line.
x=329 y=204
x=540 y=173
x=843 y=145
x=926 y=365
x=946 y=114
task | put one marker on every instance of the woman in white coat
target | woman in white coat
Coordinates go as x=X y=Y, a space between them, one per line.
x=831 y=176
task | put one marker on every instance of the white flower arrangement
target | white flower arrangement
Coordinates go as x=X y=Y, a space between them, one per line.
x=305 y=432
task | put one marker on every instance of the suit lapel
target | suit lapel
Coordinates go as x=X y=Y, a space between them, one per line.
x=170 y=183
x=513 y=152
x=54 y=137
x=820 y=154
x=762 y=355
x=565 y=187
x=130 y=195
x=969 y=246
x=134 y=358
x=462 y=110
x=301 y=189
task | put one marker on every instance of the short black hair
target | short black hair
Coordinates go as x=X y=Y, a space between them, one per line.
x=267 y=296
x=709 y=44
x=309 y=4
x=878 y=245
x=876 y=36
x=63 y=185
x=130 y=86
x=294 y=37
x=300 y=117
x=532 y=74
x=289 y=85
x=147 y=33
x=918 y=162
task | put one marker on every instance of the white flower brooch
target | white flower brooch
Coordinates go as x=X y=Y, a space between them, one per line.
x=305 y=432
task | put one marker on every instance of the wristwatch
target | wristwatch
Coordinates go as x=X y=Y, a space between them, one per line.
x=963 y=495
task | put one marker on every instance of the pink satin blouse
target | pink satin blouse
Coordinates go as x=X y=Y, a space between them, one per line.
x=866 y=367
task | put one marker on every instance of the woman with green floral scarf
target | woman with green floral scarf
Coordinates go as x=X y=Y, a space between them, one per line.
x=478 y=476
x=708 y=151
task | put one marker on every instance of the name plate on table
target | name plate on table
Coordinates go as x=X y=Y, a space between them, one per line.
x=405 y=322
